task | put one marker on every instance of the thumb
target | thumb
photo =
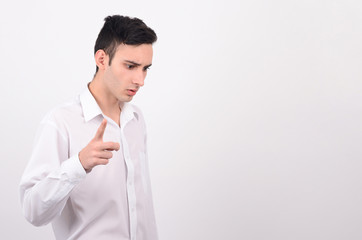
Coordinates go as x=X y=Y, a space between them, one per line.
x=100 y=131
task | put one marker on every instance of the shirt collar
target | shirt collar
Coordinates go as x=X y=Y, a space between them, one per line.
x=91 y=109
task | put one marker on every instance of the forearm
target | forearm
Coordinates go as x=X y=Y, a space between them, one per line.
x=44 y=195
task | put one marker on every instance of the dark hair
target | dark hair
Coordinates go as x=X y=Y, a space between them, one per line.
x=122 y=30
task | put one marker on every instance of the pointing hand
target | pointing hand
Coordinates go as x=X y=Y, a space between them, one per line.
x=97 y=152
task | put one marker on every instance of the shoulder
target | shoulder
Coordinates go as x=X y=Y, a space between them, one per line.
x=63 y=113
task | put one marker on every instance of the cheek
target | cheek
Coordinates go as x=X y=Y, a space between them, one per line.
x=115 y=77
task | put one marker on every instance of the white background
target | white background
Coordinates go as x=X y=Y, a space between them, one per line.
x=254 y=110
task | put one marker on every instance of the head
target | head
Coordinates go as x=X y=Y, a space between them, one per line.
x=122 y=30
x=123 y=53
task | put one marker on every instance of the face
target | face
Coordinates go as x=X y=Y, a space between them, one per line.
x=127 y=72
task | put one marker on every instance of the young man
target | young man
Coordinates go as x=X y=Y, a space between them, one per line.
x=88 y=173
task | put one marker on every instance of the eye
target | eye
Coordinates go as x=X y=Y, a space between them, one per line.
x=130 y=66
x=146 y=68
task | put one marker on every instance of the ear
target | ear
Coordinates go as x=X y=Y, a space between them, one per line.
x=101 y=59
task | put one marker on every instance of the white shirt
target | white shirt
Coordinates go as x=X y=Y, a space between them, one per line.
x=113 y=201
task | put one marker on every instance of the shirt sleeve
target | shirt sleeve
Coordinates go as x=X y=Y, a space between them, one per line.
x=49 y=176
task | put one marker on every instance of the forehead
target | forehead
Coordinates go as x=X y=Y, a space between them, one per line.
x=138 y=53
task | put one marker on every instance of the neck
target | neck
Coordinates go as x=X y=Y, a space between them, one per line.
x=109 y=105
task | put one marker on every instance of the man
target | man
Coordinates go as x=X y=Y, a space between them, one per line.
x=88 y=173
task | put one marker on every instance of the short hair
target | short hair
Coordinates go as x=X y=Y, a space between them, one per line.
x=122 y=30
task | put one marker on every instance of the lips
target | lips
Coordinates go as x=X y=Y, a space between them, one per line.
x=131 y=92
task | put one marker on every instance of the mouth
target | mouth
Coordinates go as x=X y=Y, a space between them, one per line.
x=131 y=92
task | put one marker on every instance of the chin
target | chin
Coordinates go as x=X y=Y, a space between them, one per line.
x=126 y=99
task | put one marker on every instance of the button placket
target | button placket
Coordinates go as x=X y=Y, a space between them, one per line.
x=130 y=188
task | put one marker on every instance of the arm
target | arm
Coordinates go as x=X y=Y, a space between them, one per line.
x=49 y=177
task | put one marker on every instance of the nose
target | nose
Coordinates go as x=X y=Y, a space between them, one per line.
x=139 y=78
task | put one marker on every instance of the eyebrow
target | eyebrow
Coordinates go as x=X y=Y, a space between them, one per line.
x=137 y=64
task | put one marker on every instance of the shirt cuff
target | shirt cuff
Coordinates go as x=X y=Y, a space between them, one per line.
x=73 y=169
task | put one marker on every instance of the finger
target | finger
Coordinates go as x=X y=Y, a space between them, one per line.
x=110 y=146
x=104 y=155
x=101 y=129
x=102 y=161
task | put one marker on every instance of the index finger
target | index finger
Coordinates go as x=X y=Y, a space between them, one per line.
x=101 y=129
x=110 y=146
